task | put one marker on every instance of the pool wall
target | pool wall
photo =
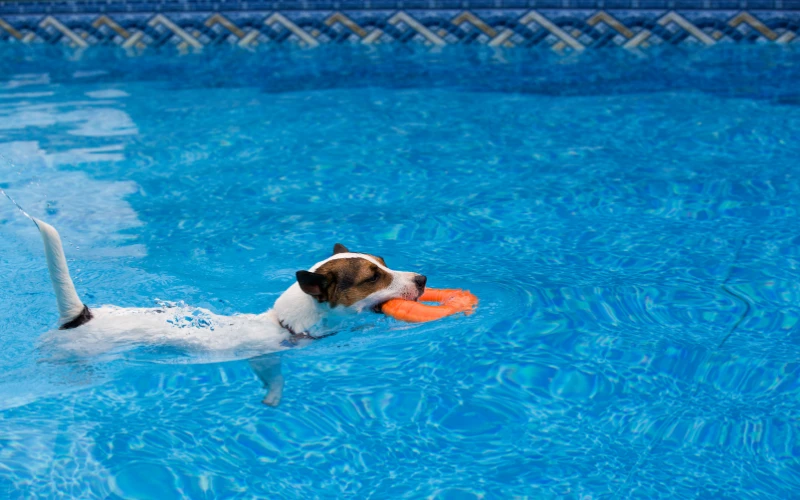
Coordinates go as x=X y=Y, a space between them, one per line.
x=564 y=26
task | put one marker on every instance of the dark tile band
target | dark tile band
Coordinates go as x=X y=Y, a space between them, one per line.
x=561 y=25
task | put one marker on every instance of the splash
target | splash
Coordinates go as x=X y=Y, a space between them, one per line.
x=26 y=214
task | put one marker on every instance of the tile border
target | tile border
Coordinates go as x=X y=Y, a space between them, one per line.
x=21 y=7
x=566 y=27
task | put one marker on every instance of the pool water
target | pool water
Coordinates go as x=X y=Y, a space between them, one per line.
x=630 y=227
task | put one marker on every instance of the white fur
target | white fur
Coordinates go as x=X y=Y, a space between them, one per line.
x=69 y=305
x=300 y=312
x=196 y=330
x=114 y=328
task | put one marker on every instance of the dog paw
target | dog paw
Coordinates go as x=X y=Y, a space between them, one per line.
x=272 y=399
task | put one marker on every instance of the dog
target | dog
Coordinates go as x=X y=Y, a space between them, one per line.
x=344 y=284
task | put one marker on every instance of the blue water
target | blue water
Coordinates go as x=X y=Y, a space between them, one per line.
x=630 y=226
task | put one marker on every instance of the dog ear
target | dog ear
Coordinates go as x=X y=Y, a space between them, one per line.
x=339 y=248
x=313 y=284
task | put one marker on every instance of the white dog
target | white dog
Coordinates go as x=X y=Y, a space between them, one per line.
x=337 y=287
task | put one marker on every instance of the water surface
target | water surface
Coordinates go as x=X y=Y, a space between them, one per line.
x=629 y=225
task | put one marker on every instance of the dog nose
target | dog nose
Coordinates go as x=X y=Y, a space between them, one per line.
x=420 y=281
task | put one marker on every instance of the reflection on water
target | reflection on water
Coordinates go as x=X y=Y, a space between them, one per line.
x=597 y=229
x=40 y=171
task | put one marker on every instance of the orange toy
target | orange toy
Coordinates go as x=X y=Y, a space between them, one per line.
x=450 y=302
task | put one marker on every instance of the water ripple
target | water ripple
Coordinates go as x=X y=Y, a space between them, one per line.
x=616 y=236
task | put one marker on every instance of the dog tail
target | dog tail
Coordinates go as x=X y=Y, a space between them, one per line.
x=71 y=310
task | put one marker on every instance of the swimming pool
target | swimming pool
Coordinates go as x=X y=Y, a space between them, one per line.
x=630 y=226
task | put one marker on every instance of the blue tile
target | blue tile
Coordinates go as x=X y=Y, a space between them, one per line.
x=726 y=4
x=759 y=4
x=548 y=4
x=343 y=5
x=433 y=13
x=516 y=4
x=655 y=4
x=686 y=4
x=446 y=4
x=414 y=4
x=582 y=4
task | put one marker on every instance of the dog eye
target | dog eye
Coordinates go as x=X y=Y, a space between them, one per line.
x=373 y=279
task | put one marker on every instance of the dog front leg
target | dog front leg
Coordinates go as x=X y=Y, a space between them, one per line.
x=268 y=369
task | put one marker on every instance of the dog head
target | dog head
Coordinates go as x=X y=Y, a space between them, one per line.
x=358 y=281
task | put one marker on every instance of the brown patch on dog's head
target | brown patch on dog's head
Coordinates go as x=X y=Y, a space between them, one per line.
x=344 y=281
x=339 y=248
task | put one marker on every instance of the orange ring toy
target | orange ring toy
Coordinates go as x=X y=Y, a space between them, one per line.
x=451 y=301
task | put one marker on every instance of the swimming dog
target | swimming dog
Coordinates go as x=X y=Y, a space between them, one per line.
x=345 y=283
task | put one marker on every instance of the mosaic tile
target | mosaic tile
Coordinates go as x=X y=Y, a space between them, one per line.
x=564 y=26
